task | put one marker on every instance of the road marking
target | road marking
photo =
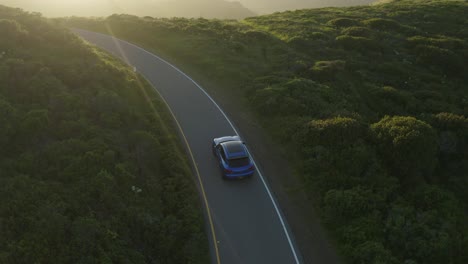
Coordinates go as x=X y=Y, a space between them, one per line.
x=193 y=160
x=207 y=207
x=235 y=130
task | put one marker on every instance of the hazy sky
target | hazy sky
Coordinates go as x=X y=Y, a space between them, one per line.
x=158 y=7
x=268 y=6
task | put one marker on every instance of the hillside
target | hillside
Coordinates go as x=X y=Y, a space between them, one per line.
x=270 y=6
x=90 y=168
x=162 y=8
x=369 y=102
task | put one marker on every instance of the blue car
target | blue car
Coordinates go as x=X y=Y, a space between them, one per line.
x=233 y=157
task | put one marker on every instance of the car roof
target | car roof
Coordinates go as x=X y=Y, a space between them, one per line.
x=234 y=149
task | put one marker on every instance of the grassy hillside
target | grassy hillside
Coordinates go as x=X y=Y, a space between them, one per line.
x=270 y=6
x=371 y=103
x=89 y=168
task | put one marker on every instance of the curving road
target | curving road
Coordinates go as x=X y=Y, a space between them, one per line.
x=244 y=222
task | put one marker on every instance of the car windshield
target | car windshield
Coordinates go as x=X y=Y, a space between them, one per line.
x=240 y=162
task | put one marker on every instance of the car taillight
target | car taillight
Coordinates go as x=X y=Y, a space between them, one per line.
x=227 y=171
x=252 y=167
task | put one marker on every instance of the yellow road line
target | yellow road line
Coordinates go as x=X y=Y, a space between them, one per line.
x=208 y=211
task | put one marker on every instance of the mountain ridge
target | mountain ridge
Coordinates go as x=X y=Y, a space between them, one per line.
x=176 y=8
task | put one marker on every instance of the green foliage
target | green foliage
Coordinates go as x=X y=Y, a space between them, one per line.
x=89 y=168
x=341 y=205
x=408 y=145
x=12 y=32
x=327 y=70
x=357 y=43
x=332 y=132
x=358 y=32
x=428 y=229
x=445 y=59
x=343 y=22
x=370 y=102
x=388 y=100
x=288 y=98
x=382 y=24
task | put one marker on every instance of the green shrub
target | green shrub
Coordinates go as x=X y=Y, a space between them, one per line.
x=318 y=36
x=426 y=228
x=449 y=121
x=358 y=43
x=343 y=22
x=8 y=119
x=300 y=43
x=453 y=133
x=388 y=100
x=357 y=32
x=372 y=252
x=441 y=42
x=335 y=131
x=297 y=96
x=326 y=70
x=408 y=146
x=254 y=35
x=12 y=33
x=445 y=59
x=382 y=24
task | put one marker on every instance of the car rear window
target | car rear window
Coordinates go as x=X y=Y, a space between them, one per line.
x=240 y=162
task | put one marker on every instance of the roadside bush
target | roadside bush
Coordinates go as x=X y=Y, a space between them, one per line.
x=341 y=206
x=254 y=35
x=425 y=228
x=408 y=146
x=318 y=36
x=333 y=132
x=449 y=121
x=8 y=120
x=388 y=100
x=444 y=59
x=441 y=42
x=357 y=32
x=300 y=43
x=12 y=33
x=297 y=96
x=273 y=100
x=372 y=252
x=453 y=136
x=343 y=22
x=326 y=70
x=357 y=43
x=382 y=24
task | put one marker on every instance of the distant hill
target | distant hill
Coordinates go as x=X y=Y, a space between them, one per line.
x=159 y=8
x=269 y=6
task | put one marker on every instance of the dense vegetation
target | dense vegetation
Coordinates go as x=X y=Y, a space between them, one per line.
x=89 y=169
x=375 y=99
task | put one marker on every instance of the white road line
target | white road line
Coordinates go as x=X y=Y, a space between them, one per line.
x=235 y=130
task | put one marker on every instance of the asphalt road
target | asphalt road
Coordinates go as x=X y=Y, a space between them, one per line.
x=247 y=223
